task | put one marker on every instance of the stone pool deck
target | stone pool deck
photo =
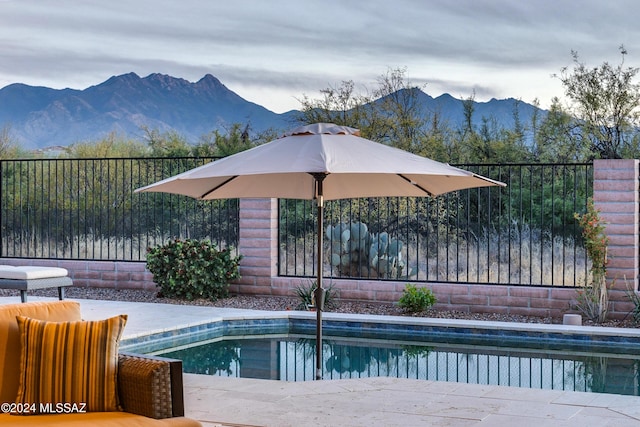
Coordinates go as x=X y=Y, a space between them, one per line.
x=217 y=401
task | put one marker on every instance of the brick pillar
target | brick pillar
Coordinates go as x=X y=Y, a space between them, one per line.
x=615 y=194
x=258 y=245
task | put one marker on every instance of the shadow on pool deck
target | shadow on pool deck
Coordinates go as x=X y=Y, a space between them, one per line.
x=219 y=401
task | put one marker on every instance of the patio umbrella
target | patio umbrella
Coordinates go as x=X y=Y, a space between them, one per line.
x=322 y=161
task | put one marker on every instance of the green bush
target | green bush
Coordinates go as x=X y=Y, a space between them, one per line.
x=191 y=269
x=416 y=300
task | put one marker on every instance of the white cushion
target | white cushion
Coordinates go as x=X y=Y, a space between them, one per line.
x=30 y=272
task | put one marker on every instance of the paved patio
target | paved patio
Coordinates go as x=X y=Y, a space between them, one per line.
x=217 y=401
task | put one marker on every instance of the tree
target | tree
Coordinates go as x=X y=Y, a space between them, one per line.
x=436 y=143
x=339 y=105
x=216 y=144
x=555 y=140
x=605 y=102
x=490 y=143
x=390 y=114
x=8 y=147
x=112 y=145
x=397 y=116
x=167 y=144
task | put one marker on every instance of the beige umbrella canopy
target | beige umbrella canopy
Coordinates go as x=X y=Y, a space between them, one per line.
x=352 y=166
x=322 y=161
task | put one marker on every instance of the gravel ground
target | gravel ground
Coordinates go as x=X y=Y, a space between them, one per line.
x=290 y=303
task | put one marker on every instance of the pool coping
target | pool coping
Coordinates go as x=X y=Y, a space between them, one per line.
x=265 y=323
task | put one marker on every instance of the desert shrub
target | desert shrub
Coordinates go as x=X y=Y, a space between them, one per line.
x=305 y=294
x=191 y=269
x=416 y=300
x=593 y=299
x=634 y=298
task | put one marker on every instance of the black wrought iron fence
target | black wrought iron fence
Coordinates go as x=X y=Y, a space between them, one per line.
x=86 y=209
x=521 y=234
x=524 y=233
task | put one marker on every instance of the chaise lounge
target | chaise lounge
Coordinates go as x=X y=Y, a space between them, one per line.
x=26 y=278
x=99 y=387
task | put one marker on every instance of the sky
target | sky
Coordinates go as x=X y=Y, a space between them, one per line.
x=276 y=52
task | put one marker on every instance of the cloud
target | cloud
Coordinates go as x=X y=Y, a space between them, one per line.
x=285 y=48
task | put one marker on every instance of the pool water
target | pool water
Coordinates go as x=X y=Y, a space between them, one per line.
x=290 y=357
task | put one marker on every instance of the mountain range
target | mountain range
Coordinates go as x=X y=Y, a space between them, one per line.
x=40 y=117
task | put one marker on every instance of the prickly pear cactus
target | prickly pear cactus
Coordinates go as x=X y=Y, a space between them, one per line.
x=355 y=252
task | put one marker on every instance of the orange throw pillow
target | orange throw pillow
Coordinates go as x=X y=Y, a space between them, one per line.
x=67 y=363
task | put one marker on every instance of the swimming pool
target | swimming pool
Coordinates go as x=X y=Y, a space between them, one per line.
x=535 y=356
x=290 y=358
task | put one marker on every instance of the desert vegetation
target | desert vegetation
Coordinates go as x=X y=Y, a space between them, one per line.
x=80 y=204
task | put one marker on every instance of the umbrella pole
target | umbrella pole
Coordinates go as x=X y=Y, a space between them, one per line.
x=319 y=293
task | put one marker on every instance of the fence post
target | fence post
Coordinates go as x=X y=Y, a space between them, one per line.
x=615 y=194
x=258 y=245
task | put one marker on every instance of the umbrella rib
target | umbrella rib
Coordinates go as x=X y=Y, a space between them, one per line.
x=429 y=193
x=218 y=186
